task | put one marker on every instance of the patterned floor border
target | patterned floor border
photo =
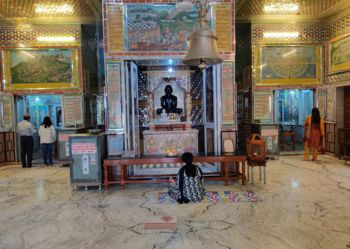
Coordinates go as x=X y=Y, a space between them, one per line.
x=215 y=197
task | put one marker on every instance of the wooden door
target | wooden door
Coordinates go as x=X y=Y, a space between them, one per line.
x=10 y=146
x=2 y=148
x=347 y=107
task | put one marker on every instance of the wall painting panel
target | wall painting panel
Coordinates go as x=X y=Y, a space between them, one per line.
x=6 y=112
x=321 y=100
x=227 y=95
x=223 y=26
x=339 y=54
x=73 y=110
x=276 y=65
x=115 y=27
x=331 y=105
x=158 y=28
x=262 y=106
x=40 y=69
x=114 y=96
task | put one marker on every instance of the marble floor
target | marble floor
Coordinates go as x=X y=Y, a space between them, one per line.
x=305 y=205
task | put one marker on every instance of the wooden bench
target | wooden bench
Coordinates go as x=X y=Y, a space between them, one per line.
x=123 y=164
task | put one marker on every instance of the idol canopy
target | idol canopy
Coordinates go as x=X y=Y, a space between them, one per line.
x=202 y=50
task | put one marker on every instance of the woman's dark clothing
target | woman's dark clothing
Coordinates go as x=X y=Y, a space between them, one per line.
x=187 y=188
x=27 y=144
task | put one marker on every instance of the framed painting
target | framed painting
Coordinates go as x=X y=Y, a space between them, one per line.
x=114 y=92
x=339 y=54
x=158 y=27
x=262 y=106
x=26 y=69
x=288 y=65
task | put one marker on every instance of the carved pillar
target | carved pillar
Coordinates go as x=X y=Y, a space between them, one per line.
x=150 y=106
x=188 y=100
x=188 y=107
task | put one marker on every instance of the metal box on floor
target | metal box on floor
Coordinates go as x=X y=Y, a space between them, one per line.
x=86 y=153
x=63 y=141
x=270 y=132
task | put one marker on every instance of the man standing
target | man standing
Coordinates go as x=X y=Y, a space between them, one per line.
x=26 y=131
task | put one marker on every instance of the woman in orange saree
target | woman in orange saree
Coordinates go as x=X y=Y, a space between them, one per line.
x=313 y=134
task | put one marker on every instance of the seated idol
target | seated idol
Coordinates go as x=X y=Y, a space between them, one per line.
x=169 y=102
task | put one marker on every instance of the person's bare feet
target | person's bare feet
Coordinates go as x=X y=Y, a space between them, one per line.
x=171 y=180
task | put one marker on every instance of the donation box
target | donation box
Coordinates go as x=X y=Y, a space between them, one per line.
x=87 y=153
x=63 y=141
x=270 y=133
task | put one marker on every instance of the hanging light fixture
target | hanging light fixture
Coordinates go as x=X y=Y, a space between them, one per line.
x=202 y=50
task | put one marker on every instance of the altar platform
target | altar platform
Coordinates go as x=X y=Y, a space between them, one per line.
x=170 y=138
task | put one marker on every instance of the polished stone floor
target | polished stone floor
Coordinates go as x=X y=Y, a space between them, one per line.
x=305 y=205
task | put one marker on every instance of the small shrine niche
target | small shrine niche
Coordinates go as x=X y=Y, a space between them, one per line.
x=180 y=90
x=169 y=104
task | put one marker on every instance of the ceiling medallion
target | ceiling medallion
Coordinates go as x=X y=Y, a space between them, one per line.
x=281 y=7
x=54 y=9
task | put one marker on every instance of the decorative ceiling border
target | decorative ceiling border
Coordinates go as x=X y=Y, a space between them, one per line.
x=26 y=35
x=308 y=33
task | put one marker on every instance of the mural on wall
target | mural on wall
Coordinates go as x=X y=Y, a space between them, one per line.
x=73 y=114
x=6 y=112
x=288 y=65
x=40 y=68
x=114 y=96
x=263 y=106
x=156 y=28
x=331 y=104
x=228 y=95
x=37 y=66
x=339 y=54
x=322 y=100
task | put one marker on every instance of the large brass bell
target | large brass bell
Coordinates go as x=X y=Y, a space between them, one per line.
x=202 y=50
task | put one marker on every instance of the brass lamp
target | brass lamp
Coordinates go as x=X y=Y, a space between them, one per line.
x=202 y=51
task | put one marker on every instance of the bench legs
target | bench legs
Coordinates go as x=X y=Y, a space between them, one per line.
x=226 y=170
x=243 y=173
x=106 y=177
x=123 y=171
x=108 y=172
x=251 y=172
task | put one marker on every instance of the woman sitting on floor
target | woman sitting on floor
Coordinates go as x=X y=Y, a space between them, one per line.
x=189 y=185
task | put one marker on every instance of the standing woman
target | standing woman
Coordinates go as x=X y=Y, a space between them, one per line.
x=313 y=134
x=47 y=135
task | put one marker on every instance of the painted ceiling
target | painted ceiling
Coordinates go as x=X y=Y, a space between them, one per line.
x=81 y=11
x=308 y=9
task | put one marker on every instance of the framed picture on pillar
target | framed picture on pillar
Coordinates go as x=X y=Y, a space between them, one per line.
x=288 y=64
x=41 y=69
x=114 y=97
x=339 y=54
x=228 y=141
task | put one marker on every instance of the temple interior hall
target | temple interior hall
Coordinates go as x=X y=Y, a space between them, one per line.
x=103 y=103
